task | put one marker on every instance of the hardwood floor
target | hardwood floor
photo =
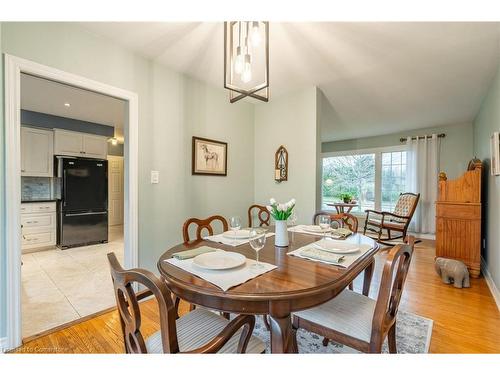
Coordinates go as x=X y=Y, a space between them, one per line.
x=465 y=320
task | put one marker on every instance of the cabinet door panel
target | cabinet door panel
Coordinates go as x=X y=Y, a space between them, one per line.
x=95 y=146
x=68 y=143
x=36 y=152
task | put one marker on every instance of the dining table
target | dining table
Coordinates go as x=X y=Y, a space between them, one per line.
x=296 y=284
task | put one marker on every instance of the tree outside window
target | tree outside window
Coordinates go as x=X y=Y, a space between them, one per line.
x=350 y=174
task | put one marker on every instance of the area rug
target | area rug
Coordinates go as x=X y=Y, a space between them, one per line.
x=413 y=335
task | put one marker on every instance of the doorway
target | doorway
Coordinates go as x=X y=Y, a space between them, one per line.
x=14 y=68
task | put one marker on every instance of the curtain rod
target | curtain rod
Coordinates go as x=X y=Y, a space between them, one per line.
x=441 y=135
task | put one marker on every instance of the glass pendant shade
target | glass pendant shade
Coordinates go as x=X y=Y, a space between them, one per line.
x=246 y=59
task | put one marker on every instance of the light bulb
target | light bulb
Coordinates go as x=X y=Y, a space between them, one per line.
x=255 y=34
x=246 y=76
x=239 y=61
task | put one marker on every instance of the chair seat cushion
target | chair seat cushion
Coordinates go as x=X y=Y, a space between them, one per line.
x=387 y=223
x=197 y=328
x=349 y=313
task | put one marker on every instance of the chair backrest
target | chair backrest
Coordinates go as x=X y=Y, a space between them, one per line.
x=393 y=279
x=202 y=224
x=262 y=214
x=405 y=206
x=130 y=313
x=344 y=219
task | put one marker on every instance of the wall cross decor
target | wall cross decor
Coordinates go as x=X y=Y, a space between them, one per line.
x=281 y=164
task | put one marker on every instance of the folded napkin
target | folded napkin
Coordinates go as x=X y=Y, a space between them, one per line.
x=325 y=256
x=220 y=238
x=342 y=232
x=312 y=252
x=187 y=254
x=224 y=279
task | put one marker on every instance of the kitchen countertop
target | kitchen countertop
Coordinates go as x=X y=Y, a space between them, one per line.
x=39 y=200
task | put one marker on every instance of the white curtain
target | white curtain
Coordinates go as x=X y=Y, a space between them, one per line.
x=422 y=177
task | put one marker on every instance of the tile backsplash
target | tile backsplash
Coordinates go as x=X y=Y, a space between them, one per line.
x=33 y=188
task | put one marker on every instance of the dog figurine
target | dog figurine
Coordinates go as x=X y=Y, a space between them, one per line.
x=452 y=270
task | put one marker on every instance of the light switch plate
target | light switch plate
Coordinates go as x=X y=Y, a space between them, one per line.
x=155 y=177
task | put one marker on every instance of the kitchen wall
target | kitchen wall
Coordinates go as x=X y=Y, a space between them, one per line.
x=487 y=122
x=289 y=120
x=172 y=108
x=456 y=147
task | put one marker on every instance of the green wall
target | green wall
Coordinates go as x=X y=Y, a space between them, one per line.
x=456 y=147
x=487 y=122
x=172 y=108
x=289 y=120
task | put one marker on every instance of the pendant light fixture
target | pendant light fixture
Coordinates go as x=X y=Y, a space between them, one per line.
x=246 y=59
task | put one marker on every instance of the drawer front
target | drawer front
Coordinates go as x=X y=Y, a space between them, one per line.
x=458 y=211
x=28 y=208
x=38 y=239
x=44 y=207
x=40 y=220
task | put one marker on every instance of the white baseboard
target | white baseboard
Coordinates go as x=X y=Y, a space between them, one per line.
x=3 y=345
x=491 y=284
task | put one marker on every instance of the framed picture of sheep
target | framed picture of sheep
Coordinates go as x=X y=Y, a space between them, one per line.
x=209 y=157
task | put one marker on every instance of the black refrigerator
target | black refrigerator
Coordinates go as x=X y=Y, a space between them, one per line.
x=83 y=208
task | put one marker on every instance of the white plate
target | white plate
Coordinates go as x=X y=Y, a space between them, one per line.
x=316 y=229
x=337 y=247
x=219 y=260
x=237 y=235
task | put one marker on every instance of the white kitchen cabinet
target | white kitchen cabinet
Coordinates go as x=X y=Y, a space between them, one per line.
x=71 y=143
x=38 y=221
x=95 y=146
x=37 y=152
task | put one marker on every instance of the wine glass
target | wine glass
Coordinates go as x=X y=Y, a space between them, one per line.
x=335 y=224
x=257 y=242
x=324 y=223
x=235 y=224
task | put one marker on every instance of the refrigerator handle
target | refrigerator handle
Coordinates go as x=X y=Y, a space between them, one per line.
x=64 y=187
x=86 y=214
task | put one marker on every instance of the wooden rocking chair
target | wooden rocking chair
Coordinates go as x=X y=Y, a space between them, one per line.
x=392 y=222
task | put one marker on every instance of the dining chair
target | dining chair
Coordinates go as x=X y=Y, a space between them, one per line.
x=343 y=219
x=358 y=321
x=396 y=221
x=262 y=214
x=199 y=331
x=202 y=224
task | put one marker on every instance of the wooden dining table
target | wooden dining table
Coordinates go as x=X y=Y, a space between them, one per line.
x=296 y=284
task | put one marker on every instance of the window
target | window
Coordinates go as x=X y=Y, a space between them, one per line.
x=393 y=178
x=375 y=178
x=350 y=174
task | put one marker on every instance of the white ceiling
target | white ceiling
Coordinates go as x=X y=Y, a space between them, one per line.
x=378 y=77
x=42 y=95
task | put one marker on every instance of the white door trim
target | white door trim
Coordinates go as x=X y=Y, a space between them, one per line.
x=13 y=67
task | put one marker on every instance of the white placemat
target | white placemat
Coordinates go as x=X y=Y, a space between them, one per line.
x=219 y=238
x=300 y=229
x=346 y=262
x=224 y=279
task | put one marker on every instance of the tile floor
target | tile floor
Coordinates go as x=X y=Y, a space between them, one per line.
x=59 y=286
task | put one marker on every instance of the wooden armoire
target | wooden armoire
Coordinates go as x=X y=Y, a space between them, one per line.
x=458 y=217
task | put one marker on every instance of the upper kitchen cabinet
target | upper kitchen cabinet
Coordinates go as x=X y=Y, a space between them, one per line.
x=80 y=144
x=36 y=152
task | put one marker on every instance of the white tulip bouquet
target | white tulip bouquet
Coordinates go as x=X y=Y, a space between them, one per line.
x=280 y=211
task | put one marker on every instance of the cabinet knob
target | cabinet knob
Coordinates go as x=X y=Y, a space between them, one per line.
x=23 y=170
